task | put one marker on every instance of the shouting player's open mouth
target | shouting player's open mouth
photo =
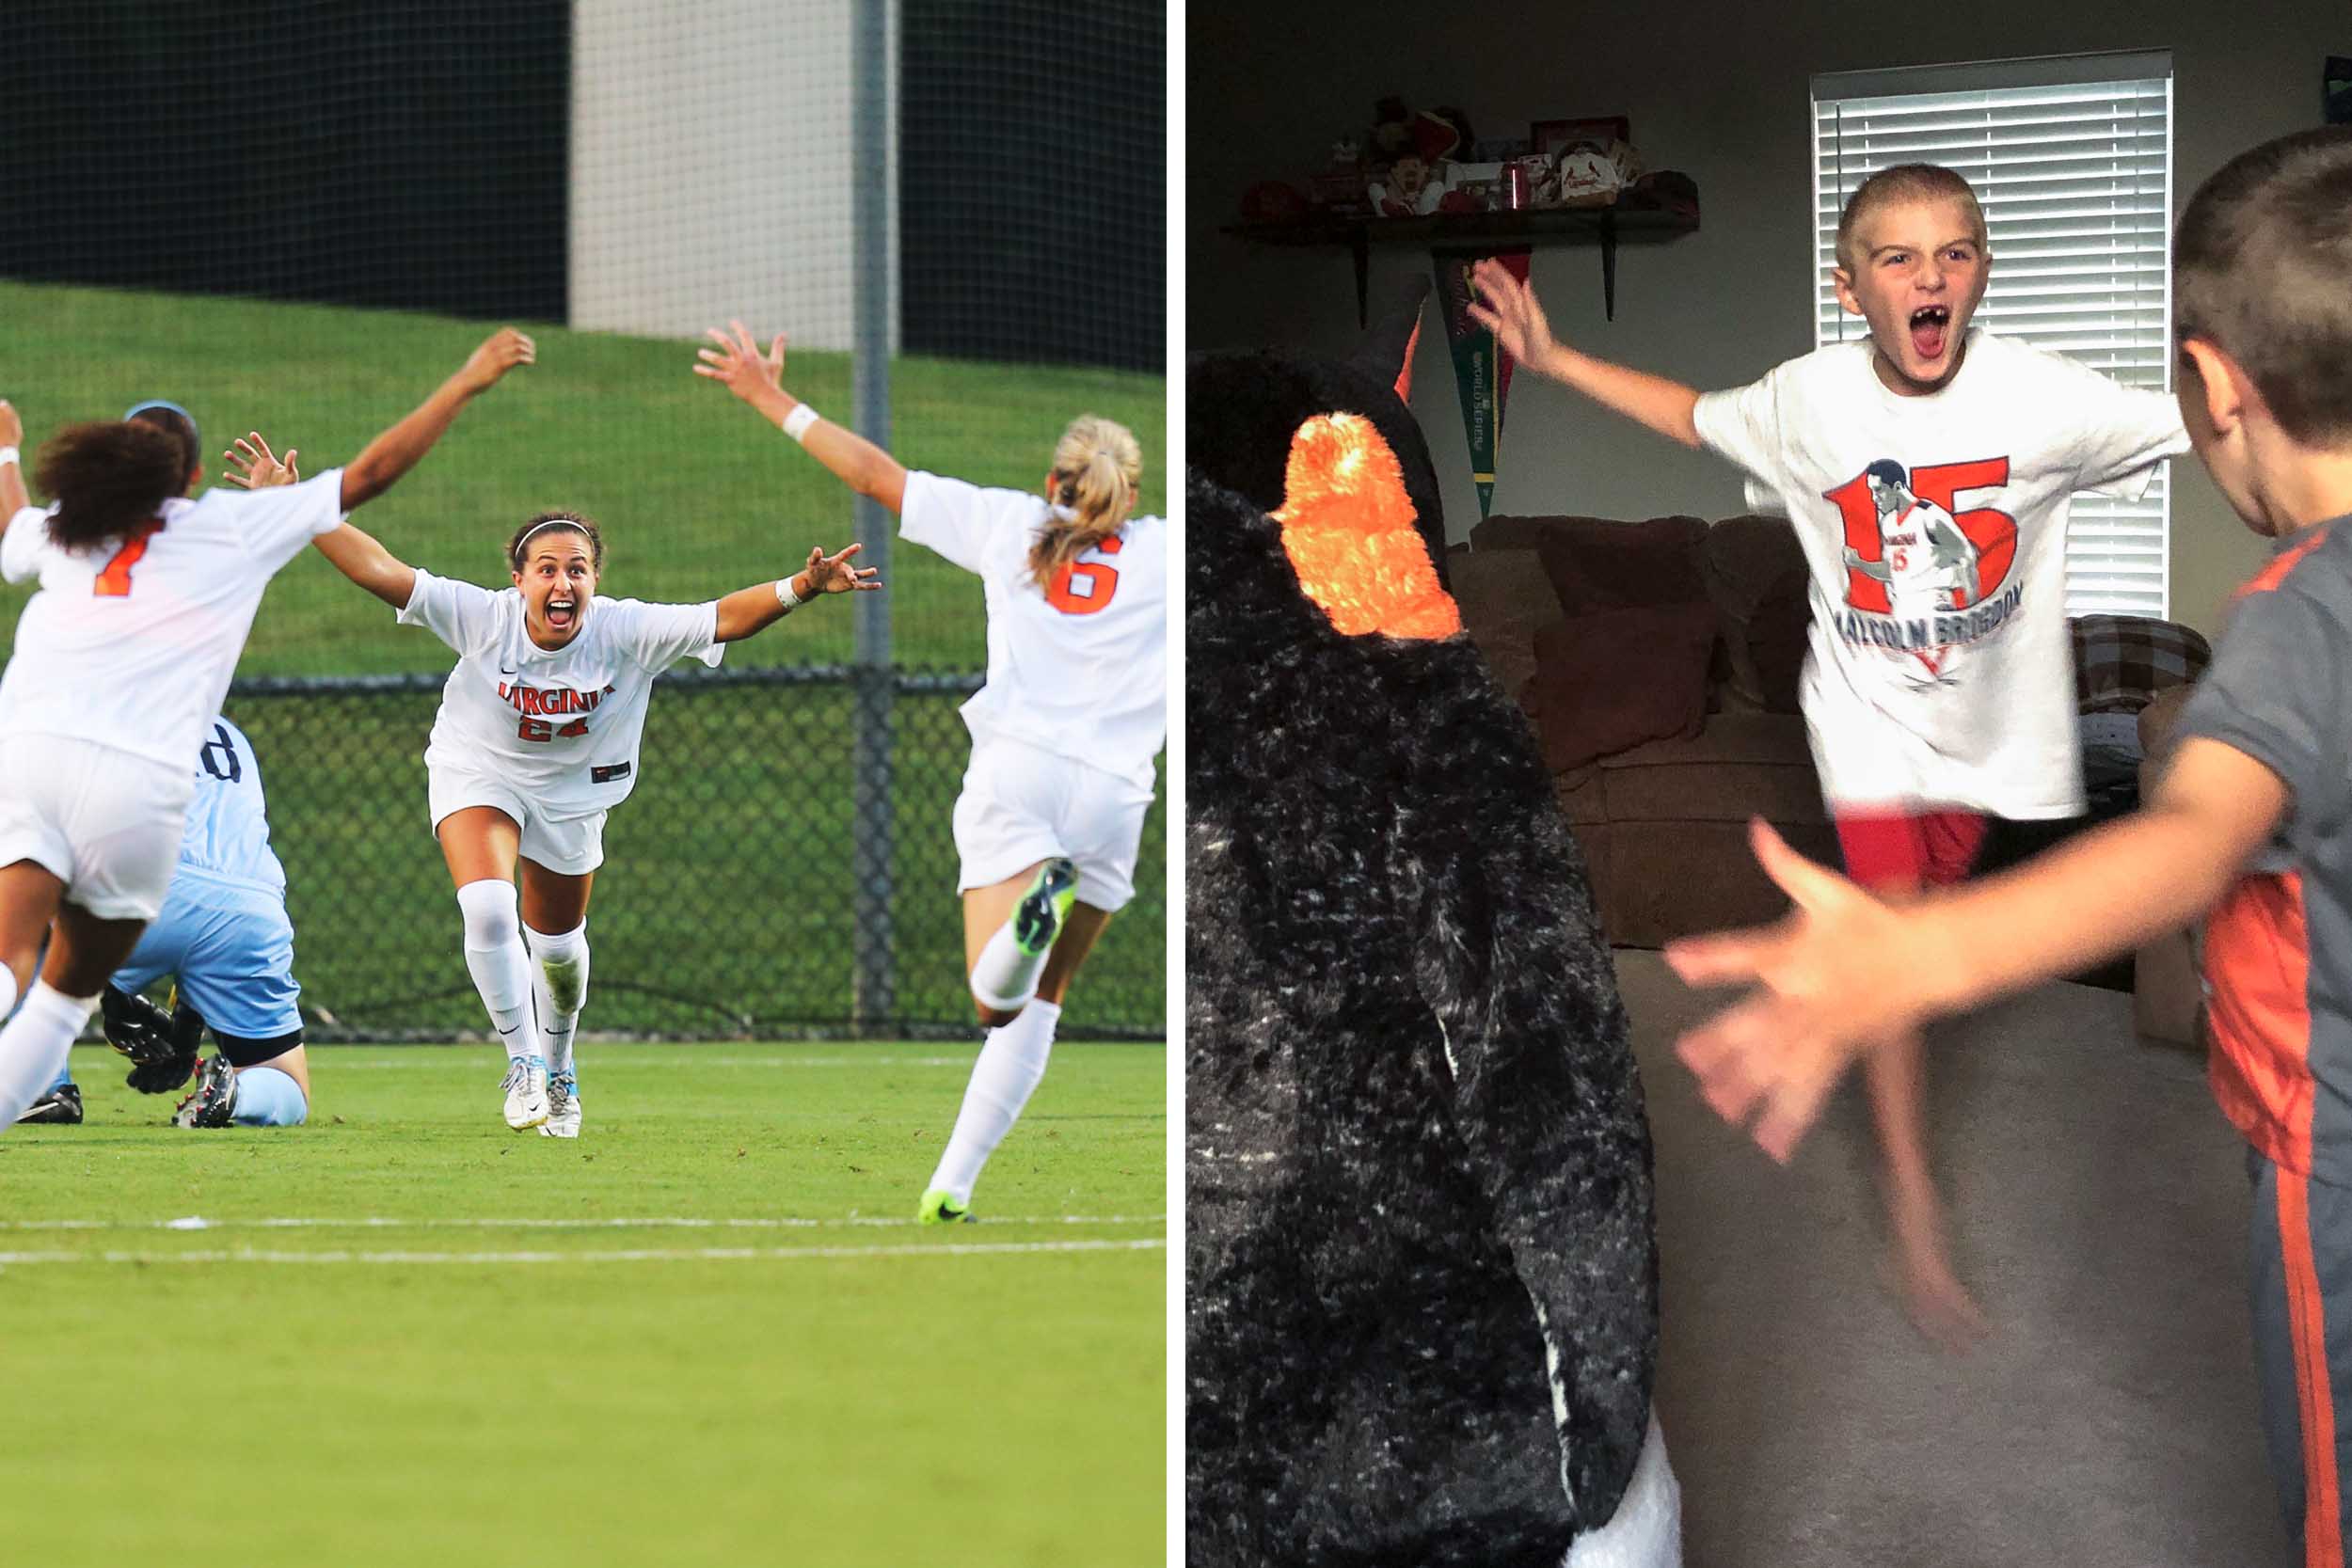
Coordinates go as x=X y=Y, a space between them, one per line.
x=1930 y=325
x=562 y=613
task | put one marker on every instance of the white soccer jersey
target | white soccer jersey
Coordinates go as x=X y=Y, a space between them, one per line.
x=561 y=725
x=1079 y=668
x=132 y=646
x=1970 y=701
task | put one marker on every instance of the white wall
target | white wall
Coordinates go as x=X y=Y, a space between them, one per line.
x=1714 y=87
x=712 y=167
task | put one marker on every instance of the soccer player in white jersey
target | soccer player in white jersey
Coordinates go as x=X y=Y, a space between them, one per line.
x=224 y=938
x=1063 y=733
x=121 y=659
x=535 y=741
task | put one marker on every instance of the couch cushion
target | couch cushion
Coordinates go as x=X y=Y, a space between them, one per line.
x=1741 y=765
x=1504 y=597
x=1755 y=571
x=1611 y=679
x=1600 y=563
x=2121 y=661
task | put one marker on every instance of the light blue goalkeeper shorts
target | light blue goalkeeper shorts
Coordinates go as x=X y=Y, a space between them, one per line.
x=231 y=947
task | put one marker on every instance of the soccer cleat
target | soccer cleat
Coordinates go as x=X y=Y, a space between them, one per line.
x=214 y=1102
x=526 y=1087
x=1037 y=920
x=61 y=1107
x=940 y=1208
x=563 y=1107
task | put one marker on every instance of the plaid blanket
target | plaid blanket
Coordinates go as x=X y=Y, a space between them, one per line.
x=2123 y=662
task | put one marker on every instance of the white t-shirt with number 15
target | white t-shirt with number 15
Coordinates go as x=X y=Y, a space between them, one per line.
x=1078 y=667
x=1935 y=530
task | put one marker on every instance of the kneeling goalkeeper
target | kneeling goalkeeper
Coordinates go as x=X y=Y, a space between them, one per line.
x=224 y=936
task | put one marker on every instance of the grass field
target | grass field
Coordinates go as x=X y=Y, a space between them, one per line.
x=696 y=930
x=695 y=495
x=703 y=1334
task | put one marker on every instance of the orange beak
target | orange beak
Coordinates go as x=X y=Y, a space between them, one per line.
x=1348 y=523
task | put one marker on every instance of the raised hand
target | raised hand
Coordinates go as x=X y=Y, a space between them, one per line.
x=833 y=574
x=1834 y=978
x=500 y=353
x=255 y=467
x=11 y=427
x=1510 y=311
x=738 y=364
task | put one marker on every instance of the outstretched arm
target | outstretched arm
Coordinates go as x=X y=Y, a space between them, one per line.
x=1512 y=313
x=13 y=497
x=358 y=557
x=399 y=448
x=758 y=379
x=1784 y=1048
x=748 y=610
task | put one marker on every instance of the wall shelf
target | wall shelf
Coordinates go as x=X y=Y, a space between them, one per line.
x=1481 y=233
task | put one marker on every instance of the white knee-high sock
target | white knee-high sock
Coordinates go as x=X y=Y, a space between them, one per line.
x=1004 y=976
x=7 y=990
x=1011 y=1064
x=495 y=957
x=558 y=983
x=33 y=1044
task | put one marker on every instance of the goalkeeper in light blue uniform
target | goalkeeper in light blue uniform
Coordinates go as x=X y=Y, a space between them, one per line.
x=223 y=934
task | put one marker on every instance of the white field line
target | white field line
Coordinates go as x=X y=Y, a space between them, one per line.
x=675 y=1222
x=638 y=1255
x=684 y=1058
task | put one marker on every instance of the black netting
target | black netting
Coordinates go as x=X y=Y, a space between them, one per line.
x=723 y=906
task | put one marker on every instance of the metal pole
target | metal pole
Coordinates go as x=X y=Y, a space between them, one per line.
x=873 y=994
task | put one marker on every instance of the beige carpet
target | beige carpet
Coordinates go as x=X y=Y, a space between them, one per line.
x=2099 y=1206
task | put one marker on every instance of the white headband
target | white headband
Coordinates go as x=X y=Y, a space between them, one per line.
x=574 y=523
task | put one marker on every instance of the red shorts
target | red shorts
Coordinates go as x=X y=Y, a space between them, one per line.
x=1895 y=849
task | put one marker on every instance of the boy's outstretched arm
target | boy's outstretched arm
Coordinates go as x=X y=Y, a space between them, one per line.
x=1512 y=313
x=1782 y=1050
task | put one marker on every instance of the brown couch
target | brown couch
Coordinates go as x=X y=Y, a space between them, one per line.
x=1658 y=661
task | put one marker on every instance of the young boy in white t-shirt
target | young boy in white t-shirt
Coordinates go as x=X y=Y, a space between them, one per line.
x=1928 y=469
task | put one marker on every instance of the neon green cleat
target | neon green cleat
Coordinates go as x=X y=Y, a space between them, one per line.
x=939 y=1207
x=1037 y=920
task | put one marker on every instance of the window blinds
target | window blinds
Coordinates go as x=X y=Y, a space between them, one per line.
x=2072 y=158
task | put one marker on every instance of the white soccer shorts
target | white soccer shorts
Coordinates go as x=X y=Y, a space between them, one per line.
x=1021 y=805
x=103 y=821
x=573 y=845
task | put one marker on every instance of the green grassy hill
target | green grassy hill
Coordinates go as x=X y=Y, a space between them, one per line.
x=695 y=495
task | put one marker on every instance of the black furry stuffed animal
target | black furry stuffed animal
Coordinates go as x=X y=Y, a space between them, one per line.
x=1421 y=1314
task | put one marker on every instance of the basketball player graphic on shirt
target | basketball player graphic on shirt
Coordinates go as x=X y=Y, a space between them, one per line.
x=1929 y=565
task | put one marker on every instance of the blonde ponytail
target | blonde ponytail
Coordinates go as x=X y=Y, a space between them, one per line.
x=1097 y=468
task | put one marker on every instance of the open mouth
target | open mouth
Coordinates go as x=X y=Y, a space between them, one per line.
x=562 y=614
x=1929 y=327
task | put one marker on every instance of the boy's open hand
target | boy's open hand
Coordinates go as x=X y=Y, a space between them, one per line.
x=1836 y=978
x=500 y=353
x=1512 y=314
x=252 y=464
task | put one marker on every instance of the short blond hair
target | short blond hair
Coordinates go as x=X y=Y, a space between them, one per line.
x=1905 y=183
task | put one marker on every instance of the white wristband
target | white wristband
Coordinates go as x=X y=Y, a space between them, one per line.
x=784 y=595
x=9 y=454
x=797 y=422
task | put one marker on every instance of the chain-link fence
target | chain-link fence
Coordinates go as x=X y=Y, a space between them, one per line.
x=722 y=908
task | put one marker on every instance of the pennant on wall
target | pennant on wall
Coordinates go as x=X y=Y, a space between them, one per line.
x=1482 y=372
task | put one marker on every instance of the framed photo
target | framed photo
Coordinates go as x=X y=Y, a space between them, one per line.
x=1550 y=136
